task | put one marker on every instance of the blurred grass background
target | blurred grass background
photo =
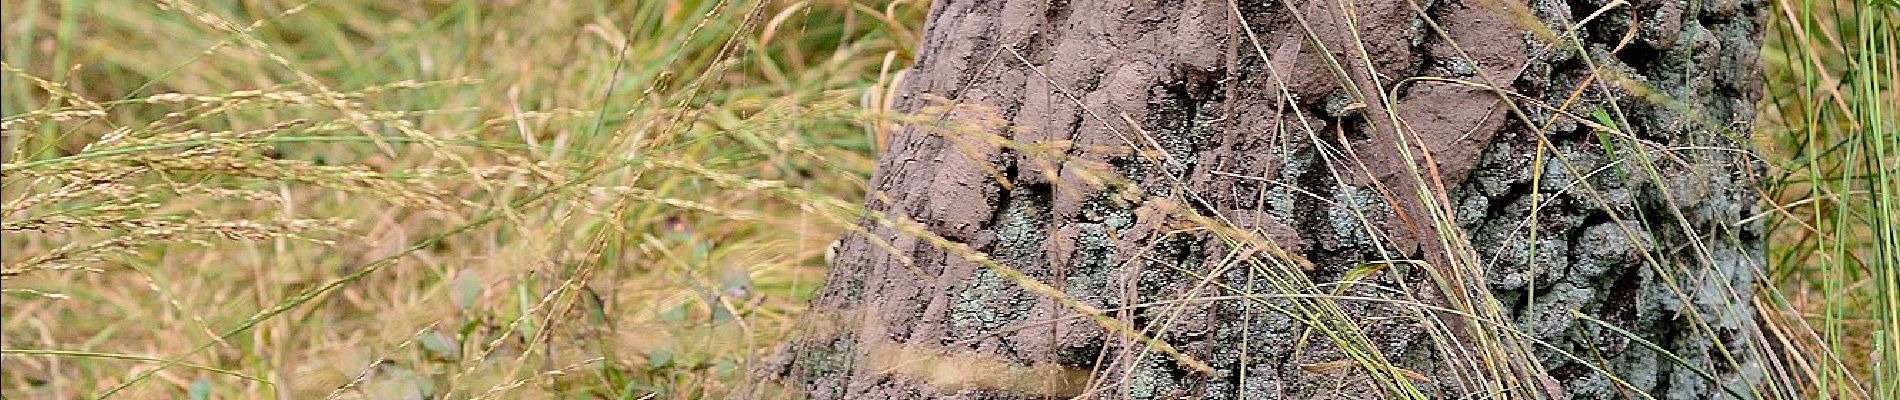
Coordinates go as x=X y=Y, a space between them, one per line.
x=614 y=199
x=429 y=191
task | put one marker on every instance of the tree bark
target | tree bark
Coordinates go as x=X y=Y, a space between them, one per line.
x=1453 y=159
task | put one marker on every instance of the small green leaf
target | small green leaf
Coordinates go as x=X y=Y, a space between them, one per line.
x=465 y=290
x=596 y=308
x=398 y=383
x=200 y=389
x=675 y=314
x=719 y=312
x=524 y=307
x=660 y=358
x=1602 y=116
x=441 y=345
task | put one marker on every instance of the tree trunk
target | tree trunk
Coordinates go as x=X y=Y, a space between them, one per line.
x=1306 y=200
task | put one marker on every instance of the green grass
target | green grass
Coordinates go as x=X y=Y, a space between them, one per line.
x=1831 y=133
x=493 y=199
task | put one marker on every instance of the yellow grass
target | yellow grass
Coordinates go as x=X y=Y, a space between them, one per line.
x=295 y=199
x=529 y=199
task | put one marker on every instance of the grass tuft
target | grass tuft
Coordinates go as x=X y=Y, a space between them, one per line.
x=472 y=199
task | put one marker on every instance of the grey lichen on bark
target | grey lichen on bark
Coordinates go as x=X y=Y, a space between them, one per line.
x=1653 y=235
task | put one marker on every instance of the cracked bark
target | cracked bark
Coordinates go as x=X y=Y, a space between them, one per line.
x=1294 y=154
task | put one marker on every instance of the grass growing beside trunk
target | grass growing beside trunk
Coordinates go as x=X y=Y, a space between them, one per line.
x=623 y=199
x=472 y=199
x=1832 y=127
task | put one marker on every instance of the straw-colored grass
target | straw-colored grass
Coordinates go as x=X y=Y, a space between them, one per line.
x=296 y=199
x=634 y=199
x=1832 y=131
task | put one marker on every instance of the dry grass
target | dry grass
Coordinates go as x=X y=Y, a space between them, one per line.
x=508 y=199
x=219 y=199
x=1830 y=133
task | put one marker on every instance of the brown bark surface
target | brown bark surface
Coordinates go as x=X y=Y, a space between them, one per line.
x=1284 y=119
